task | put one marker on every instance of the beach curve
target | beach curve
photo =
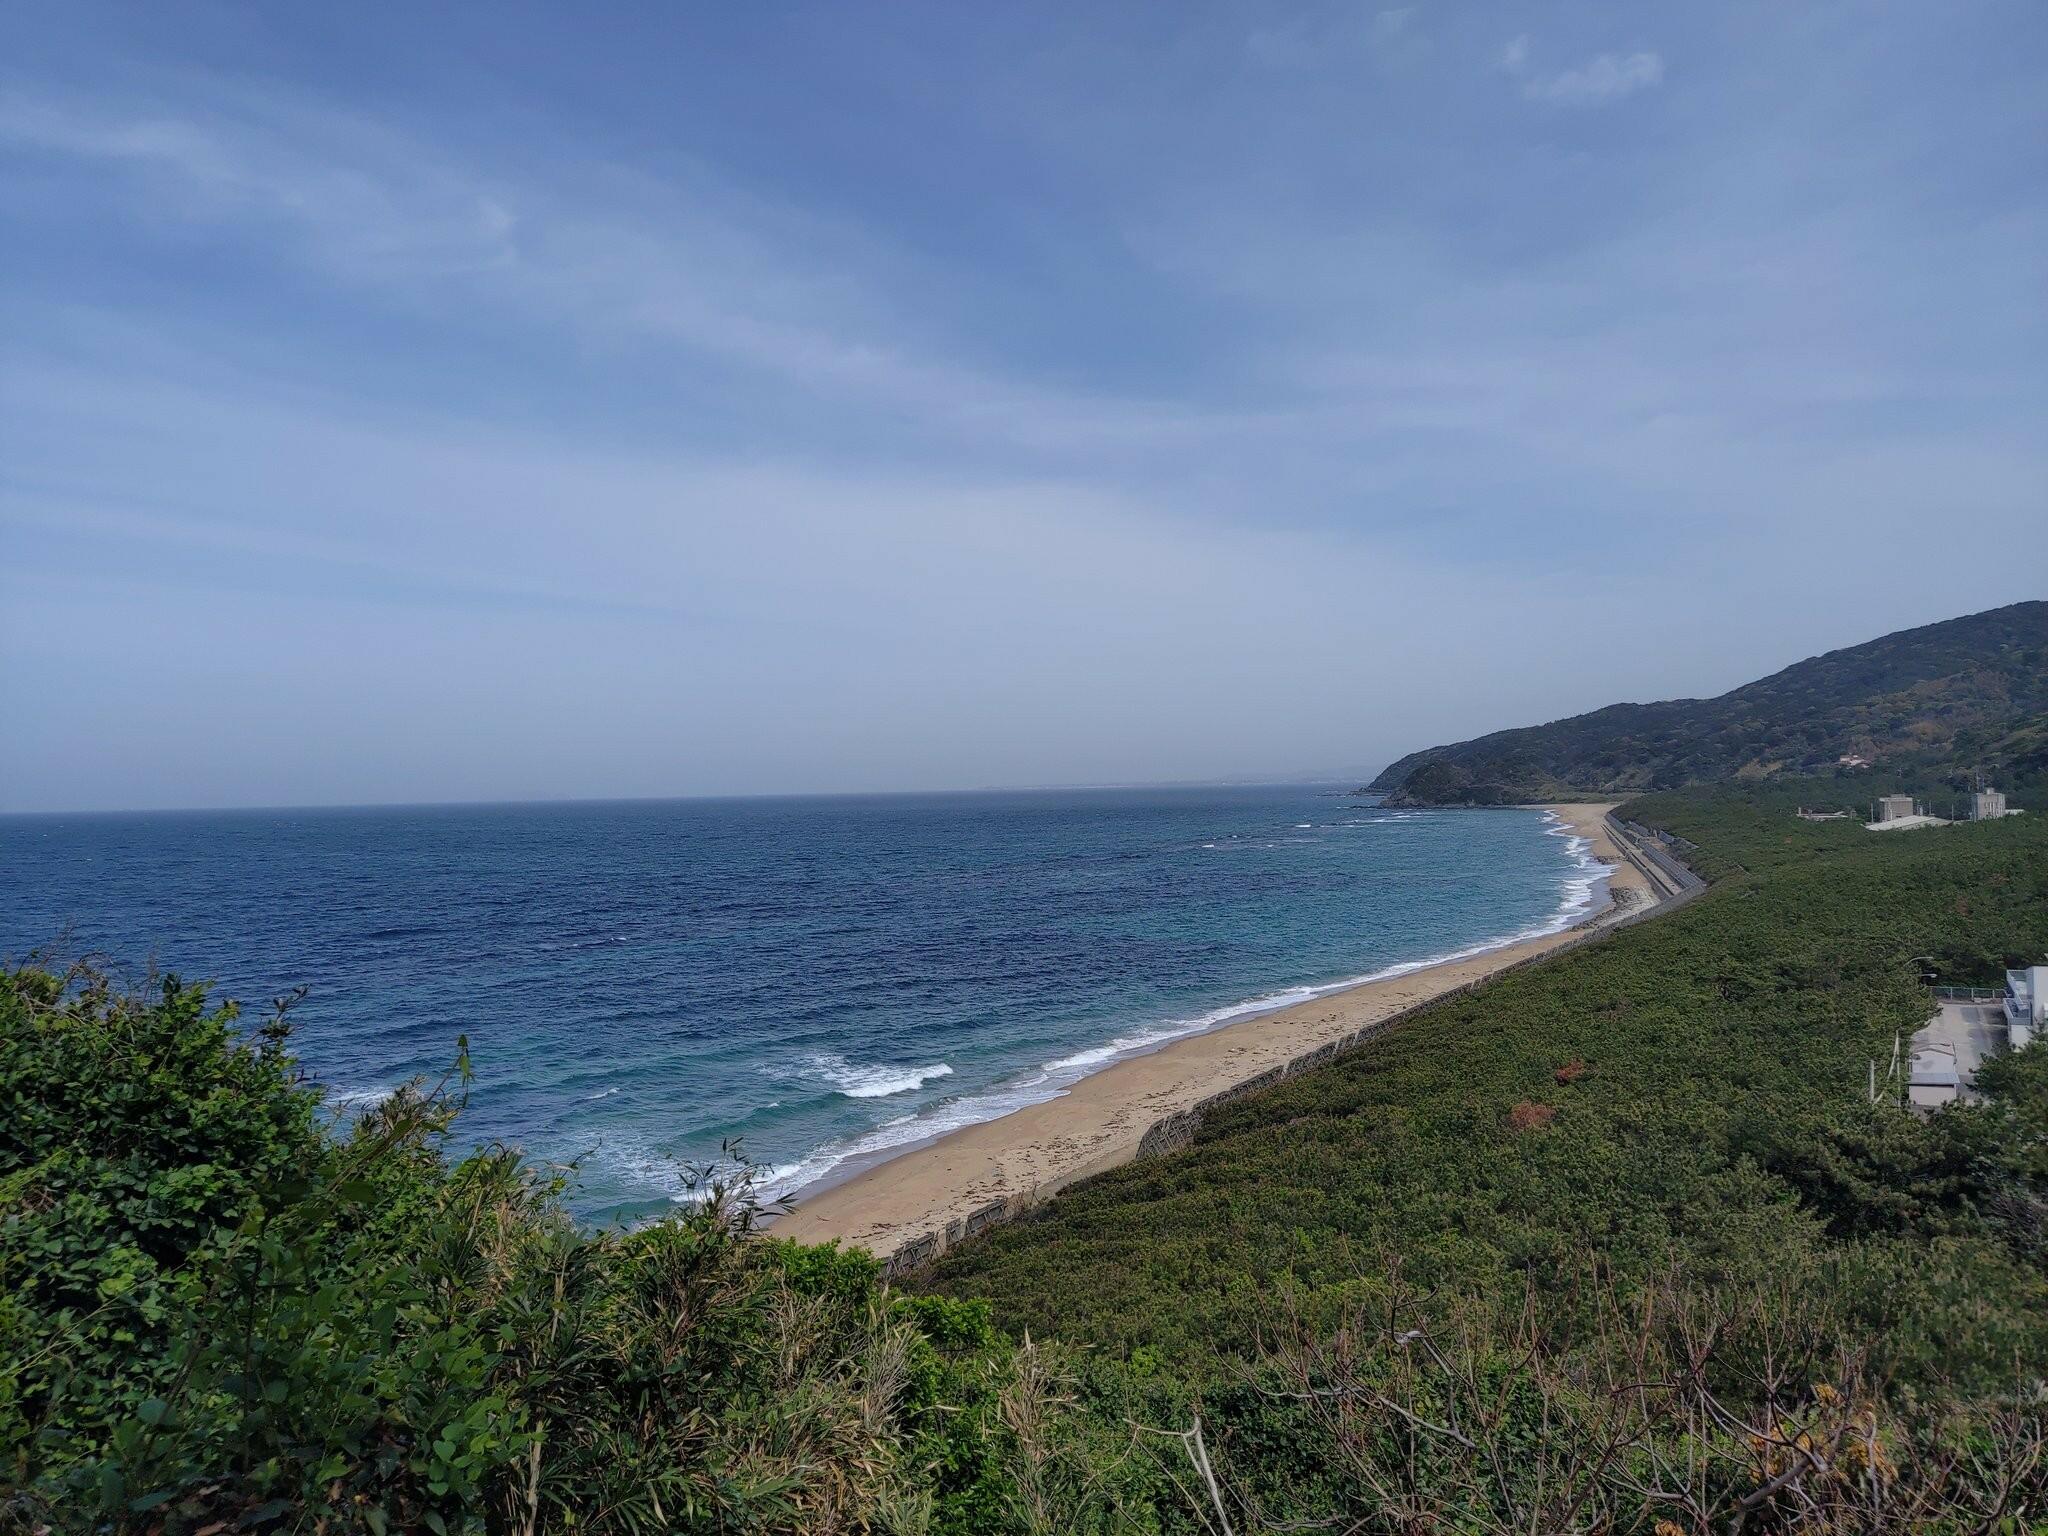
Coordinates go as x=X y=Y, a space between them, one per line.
x=925 y=1197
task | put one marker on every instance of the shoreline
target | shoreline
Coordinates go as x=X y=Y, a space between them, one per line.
x=950 y=1184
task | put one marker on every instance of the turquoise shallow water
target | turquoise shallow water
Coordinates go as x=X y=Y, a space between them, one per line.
x=645 y=983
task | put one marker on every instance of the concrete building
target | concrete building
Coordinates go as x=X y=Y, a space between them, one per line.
x=1947 y=1050
x=1898 y=813
x=1969 y=1027
x=1989 y=805
x=1933 y=1079
x=1904 y=824
x=2026 y=1005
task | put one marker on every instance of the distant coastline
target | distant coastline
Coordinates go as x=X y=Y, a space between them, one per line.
x=931 y=1192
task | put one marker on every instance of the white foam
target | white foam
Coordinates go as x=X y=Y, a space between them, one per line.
x=875 y=1082
x=1088 y=1058
x=1049 y=1081
x=603 y=1093
x=358 y=1100
x=1581 y=891
x=659 y=1176
x=1069 y=1069
x=904 y=1131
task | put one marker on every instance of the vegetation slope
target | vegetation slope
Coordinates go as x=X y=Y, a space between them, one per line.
x=1924 y=707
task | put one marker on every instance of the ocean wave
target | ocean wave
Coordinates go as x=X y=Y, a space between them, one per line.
x=875 y=1082
x=1049 y=1081
x=1583 y=890
x=357 y=1101
x=1071 y=1068
x=658 y=1175
x=900 y=1134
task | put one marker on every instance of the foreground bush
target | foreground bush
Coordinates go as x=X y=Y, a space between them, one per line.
x=219 y=1315
x=1660 y=1407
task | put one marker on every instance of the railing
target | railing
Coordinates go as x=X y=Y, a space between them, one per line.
x=1969 y=994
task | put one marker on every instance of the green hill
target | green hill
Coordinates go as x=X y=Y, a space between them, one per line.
x=1943 y=701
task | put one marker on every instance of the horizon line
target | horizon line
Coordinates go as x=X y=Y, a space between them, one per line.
x=481 y=803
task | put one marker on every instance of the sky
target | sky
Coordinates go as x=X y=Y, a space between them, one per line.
x=518 y=401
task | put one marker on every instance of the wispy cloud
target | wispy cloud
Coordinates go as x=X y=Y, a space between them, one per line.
x=361 y=199
x=1607 y=77
x=701 y=267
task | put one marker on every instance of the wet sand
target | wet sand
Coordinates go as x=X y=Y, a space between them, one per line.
x=1098 y=1122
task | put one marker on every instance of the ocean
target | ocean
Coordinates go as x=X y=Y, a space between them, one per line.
x=652 y=987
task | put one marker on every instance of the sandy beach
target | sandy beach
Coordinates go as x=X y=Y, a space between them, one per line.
x=1097 y=1123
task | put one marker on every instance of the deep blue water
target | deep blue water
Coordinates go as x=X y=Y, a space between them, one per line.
x=642 y=982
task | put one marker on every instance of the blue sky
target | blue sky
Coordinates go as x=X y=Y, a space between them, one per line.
x=500 y=401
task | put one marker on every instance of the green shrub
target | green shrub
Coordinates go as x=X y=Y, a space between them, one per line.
x=218 y=1314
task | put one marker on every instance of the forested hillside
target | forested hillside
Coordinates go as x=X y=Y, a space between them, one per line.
x=1617 y=1243
x=1946 y=700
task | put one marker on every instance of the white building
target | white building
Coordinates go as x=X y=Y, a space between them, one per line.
x=1932 y=1078
x=2026 y=1005
x=1895 y=808
x=1904 y=823
x=1989 y=805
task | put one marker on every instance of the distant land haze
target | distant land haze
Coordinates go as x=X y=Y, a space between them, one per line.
x=1965 y=697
